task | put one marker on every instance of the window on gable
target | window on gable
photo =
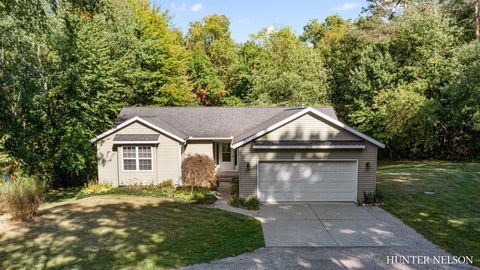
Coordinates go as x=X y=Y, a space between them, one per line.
x=137 y=158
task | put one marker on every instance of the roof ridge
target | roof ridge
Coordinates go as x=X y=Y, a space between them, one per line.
x=230 y=107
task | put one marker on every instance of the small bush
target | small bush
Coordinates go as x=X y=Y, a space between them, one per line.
x=93 y=188
x=166 y=184
x=235 y=188
x=234 y=200
x=372 y=198
x=22 y=197
x=252 y=203
x=198 y=171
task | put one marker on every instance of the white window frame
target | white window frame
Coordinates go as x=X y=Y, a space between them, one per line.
x=137 y=159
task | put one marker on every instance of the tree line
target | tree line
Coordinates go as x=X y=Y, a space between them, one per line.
x=405 y=72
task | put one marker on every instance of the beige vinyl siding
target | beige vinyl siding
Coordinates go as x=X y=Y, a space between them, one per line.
x=166 y=160
x=199 y=147
x=107 y=159
x=306 y=128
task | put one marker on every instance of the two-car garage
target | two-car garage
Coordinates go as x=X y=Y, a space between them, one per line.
x=307 y=180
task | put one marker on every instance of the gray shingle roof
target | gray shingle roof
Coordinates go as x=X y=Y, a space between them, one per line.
x=136 y=137
x=238 y=122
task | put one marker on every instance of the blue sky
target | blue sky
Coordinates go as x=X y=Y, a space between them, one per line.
x=249 y=16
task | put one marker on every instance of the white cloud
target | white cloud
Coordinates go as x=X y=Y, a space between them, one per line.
x=348 y=6
x=270 y=29
x=180 y=7
x=196 y=7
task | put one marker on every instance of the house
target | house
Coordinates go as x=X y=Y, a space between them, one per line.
x=277 y=153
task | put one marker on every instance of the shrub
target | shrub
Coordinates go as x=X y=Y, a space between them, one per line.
x=234 y=200
x=252 y=203
x=235 y=188
x=166 y=184
x=93 y=188
x=198 y=171
x=23 y=197
x=372 y=198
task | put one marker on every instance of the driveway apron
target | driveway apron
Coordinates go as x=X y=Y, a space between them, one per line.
x=323 y=225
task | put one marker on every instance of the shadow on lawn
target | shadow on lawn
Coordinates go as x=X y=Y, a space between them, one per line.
x=99 y=233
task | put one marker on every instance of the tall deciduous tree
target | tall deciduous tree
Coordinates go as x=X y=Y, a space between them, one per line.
x=291 y=72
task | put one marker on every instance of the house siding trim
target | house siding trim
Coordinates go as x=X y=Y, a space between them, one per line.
x=301 y=113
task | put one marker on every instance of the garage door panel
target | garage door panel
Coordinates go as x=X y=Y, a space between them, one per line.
x=307 y=181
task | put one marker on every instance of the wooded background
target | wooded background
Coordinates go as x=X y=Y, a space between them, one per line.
x=405 y=72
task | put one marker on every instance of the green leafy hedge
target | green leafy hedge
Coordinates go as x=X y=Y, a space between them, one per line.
x=198 y=195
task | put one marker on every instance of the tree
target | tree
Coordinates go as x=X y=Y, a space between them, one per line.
x=459 y=108
x=251 y=55
x=322 y=35
x=385 y=9
x=291 y=73
x=212 y=35
x=161 y=62
x=206 y=83
x=66 y=70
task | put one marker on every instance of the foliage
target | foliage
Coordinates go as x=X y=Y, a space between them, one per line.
x=235 y=188
x=372 y=198
x=291 y=73
x=198 y=171
x=196 y=195
x=404 y=72
x=22 y=197
x=251 y=203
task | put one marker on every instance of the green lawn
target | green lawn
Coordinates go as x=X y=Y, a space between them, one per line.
x=127 y=232
x=61 y=194
x=450 y=217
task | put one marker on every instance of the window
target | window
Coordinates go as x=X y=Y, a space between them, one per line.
x=137 y=158
x=226 y=153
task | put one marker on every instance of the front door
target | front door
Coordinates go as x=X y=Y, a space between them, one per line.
x=225 y=157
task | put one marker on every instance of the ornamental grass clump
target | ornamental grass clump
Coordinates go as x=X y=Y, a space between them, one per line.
x=198 y=171
x=23 y=197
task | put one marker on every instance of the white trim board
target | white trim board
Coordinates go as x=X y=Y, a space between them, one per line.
x=210 y=138
x=308 y=146
x=301 y=113
x=132 y=120
x=136 y=142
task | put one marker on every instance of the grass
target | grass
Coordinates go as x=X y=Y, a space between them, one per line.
x=61 y=194
x=440 y=200
x=127 y=232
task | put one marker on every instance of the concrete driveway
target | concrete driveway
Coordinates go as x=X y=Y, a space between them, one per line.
x=323 y=225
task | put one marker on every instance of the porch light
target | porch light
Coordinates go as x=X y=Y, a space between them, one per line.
x=367 y=165
x=248 y=166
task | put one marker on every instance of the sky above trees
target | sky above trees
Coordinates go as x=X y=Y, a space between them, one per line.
x=249 y=16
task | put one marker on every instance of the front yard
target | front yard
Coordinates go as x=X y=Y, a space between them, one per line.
x=115 y=231
x=440 y=200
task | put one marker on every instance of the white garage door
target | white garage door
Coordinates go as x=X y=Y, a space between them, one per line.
x=307 y=181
